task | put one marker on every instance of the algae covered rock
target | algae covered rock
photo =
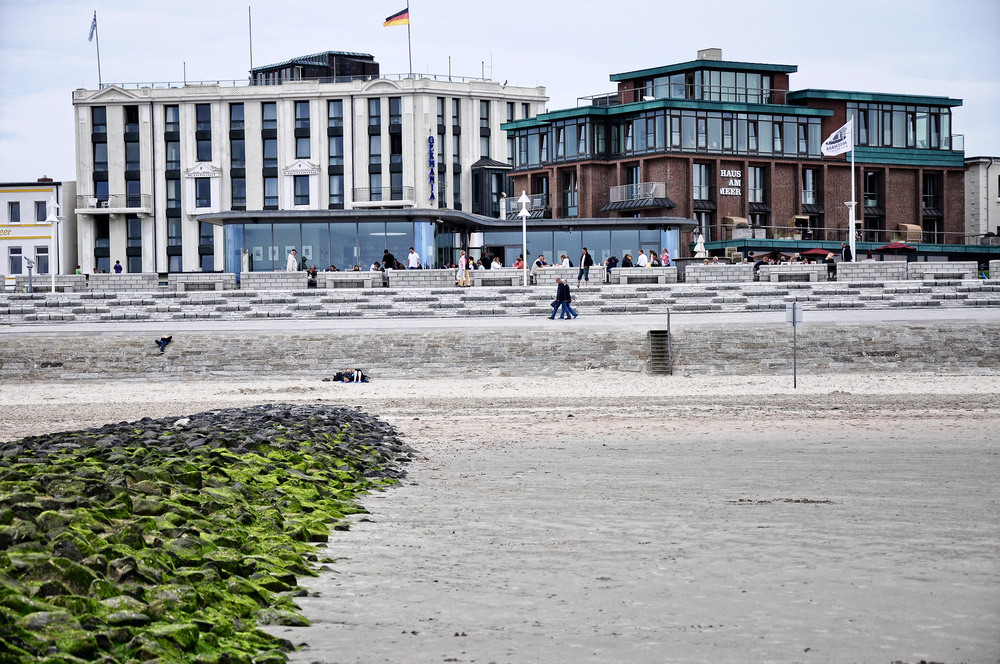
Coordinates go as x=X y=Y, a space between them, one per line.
x=170 y=540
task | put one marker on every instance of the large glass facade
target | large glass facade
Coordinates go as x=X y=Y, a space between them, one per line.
x=674 y=130
x=346 y=244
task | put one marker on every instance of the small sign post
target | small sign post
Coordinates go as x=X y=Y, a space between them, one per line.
x=793 y=317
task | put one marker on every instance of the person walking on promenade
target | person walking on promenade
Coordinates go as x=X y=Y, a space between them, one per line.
x=586 y=262
x=563 y=298
x=293 y=262
x=413 y=260
x=462 y=275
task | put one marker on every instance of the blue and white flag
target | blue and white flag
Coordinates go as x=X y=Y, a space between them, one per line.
x=840 y=141
x=93 y=28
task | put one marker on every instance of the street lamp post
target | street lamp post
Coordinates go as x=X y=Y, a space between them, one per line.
x=52 y=210
x=523 y=214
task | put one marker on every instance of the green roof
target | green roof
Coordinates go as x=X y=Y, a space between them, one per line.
x=910 y=157
x=705 y=64
x=652 y=104
x=877 y=97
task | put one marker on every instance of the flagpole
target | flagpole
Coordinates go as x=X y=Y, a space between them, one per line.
x=97 y=40
x=409 y=44
x=851 y=225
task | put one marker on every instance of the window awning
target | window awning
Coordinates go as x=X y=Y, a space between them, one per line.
x=733 y=221
x=872 y=211
x=932 y=213
x=758 y=208
x=639 y=204
x=810 y=208
x=703 y=205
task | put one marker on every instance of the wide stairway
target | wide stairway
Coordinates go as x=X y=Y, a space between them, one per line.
x=162 y=305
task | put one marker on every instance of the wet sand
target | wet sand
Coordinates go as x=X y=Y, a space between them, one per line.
x=598 y=517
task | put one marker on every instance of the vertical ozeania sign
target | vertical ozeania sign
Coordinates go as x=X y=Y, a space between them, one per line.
x=431 y=165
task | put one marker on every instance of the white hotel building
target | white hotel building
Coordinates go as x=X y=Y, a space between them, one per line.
x=309 y=154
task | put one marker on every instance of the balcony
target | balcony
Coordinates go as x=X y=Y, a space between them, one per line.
x=538 y=208
x=383 y=197
x=139 y=204
x=638 y=196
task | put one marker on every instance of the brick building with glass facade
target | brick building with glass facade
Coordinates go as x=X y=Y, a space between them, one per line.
x=732 y=147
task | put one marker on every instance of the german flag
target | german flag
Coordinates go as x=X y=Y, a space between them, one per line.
x=399 y=18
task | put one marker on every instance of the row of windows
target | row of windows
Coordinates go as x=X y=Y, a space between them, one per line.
x=661 y=131
x=14 y=211
x=756 y=184
x=900 y=126
x=17 y=262
x=710 y=85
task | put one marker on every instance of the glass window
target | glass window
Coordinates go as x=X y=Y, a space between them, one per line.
x=99 y=119
x=316 y=245
x=269 y=115
x=203 y=115
x=40 y=212
x=395 y=110
x=238 y=156
x=133 y=227
x=375 y=149
x=701 y=182
x=374 y=112
x=301 y=183
x=133 y=193
x=14 y=260
x=484 y=114
x=100 y=157
x=204 y=149
x=336 y=150
x=510 y=111
x=440 y=110
x=337 y=190
x=131 y=119
x=302 y=115
x=755 y=184
x=302 y=148
x=174 y=155
x=173 y=194
x=456 y=112
x=344 y=246
x=239 y=192
x=258 y=240
x=570 y=192
x=371 y=243
x=174 y=228
x=270 y=153
x=271 y=193
x=374 y=186
x=236 y=117
x=13 y=212
x=132 y=156
x=809 y=186
x=335 y=113
x=171 y=118
x=203 y=192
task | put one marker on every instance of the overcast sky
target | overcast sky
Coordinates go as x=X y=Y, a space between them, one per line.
x=926 y=47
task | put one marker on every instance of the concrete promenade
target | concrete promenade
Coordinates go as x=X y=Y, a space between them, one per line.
x=907 y=340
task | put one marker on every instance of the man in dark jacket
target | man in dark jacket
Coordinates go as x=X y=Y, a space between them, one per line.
x=563 y=299
x=845 y=252
x=586 y=261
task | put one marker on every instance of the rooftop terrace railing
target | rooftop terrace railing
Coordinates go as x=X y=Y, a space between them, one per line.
x=235 y=83
x=689 y=92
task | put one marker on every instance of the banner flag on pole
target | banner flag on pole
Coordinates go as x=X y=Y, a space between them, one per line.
x=840 y=141
x=399 y=18
x=93 y=28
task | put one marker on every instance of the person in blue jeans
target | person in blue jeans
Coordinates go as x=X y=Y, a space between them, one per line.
x=586 y=262
x=563 y=299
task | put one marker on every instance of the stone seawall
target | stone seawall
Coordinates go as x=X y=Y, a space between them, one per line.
x=966 y=348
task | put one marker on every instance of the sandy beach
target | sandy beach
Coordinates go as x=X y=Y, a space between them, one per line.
x=602 y=517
